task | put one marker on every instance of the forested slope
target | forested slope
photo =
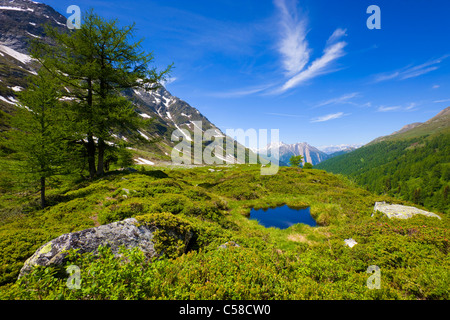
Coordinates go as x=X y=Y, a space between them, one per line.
x=416 y=169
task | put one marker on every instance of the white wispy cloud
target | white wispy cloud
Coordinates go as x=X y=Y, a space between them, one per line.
x=169 y=81
x=440 y=101
x=284 y=115
x=295 y=53
x=294 y=49
x=317 y=67
x=386 y=76
x=411 y=71
x=342 y=99
x=240 y=92
x=293 y=46
x=410 y=107
x=337 y=34
x=386 y=109
x=329 y=117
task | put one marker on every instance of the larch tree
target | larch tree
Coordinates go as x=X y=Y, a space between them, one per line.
x=296 y=161
x=95 y=65
x=37 y=133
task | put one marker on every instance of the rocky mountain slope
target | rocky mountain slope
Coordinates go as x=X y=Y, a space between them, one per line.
x=341 y=148
x=23 y=20
x=310 y=154
x=20 y=22
x=286 y=151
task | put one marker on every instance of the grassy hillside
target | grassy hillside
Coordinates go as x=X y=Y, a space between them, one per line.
x=300 y=262
x=413 y=164
x=416 y=169
x=438 y=125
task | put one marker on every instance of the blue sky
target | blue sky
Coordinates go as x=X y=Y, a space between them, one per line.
x=310 y=68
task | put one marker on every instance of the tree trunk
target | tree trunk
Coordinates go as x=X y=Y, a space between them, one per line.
x=101 y=157
x=43 y=204
x=91 y=143
x=91 y=156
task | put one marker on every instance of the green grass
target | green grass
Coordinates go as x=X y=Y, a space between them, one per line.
x=300 y=262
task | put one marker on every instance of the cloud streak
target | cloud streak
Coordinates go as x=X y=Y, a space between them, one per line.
x=293 y=46
x=410 y=71
x=294 y=50
x=409 y=107
x=328 y=117
x=342 y=99
x=318 y=67
x=295 y=53
x=284 y=115
x=440 y=101
x=241 y=92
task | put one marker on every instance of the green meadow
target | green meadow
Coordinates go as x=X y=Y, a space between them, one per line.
x=300 y=262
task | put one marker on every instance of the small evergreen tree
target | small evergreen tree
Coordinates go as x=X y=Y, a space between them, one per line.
x=37 y=133
x=307 y=165
x=296 y=161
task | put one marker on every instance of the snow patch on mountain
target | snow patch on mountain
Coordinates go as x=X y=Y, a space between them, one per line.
x=336 y=148
x=24 y=58
x=6 y=100
x=142 y=161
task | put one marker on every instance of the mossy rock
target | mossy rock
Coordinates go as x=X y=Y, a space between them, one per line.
x=171 y=234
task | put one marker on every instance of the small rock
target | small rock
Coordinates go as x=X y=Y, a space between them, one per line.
x=350 y=242
x=228 y=244
x=401 y=211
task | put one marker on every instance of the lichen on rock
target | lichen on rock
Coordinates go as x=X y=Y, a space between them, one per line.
x=401 y=211
x=154 y=235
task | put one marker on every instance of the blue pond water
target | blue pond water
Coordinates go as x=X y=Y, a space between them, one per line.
x=282 y=217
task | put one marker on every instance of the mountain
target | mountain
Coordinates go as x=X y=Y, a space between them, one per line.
x=437 y=124
x=310 y=154
x=21 y=21
x=169 y=113
x=411 y=164
x=24 y=20
x=341 y=148
x=286 y=151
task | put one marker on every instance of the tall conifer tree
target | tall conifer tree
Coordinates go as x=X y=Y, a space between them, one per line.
x=96 y=64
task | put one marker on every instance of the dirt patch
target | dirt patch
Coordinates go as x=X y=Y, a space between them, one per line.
x=298 y=237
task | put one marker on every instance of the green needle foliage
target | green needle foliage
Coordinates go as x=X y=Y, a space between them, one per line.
x=38 y=134
x=296 y=161
x=95 y=65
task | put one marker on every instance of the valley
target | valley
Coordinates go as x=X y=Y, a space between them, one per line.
x=113 y=188
x=412 y=164
x=300 y=262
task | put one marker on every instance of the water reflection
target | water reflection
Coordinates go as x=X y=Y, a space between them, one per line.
x=282 y=217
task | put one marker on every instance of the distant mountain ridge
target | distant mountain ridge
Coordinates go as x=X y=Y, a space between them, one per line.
x=342 y=148
x=286 y=151
x=310 y=153
x=412 y=163
x=440 y=123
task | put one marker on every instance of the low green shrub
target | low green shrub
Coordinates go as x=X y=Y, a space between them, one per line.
x=300 y=262
x=171 y=235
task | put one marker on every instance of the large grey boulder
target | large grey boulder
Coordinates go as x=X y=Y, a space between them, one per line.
x=127 y=233
x=401 y=211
